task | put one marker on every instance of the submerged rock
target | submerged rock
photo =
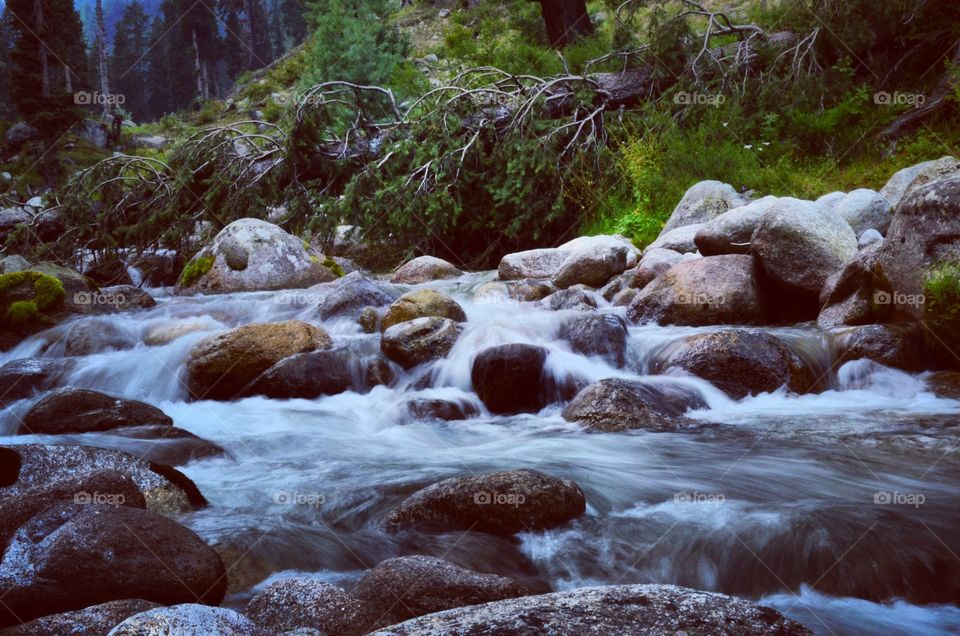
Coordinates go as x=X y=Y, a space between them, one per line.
x=82 y=411
x=310 y=375
x=424 y=269
x=94 y=335
x=618 y=610
x=23 y=378
x=620 y=405
x=501 y=503
x=602 y=335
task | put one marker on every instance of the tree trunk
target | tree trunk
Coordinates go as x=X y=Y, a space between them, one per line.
x=101 y=49
x=566 y=20
x=40 y=30
x=200 y=69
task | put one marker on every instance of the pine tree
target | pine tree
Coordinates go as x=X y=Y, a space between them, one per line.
x=294 y=20
x=260 y=51
x=100 y=57
x=129 y=62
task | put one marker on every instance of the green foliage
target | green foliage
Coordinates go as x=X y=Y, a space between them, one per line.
x=941 y=310
x=333 y=266
x=21 y=312
x=193 y=270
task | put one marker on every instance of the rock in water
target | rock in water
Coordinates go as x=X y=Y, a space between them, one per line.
x=539 y=264
x=188 y=620
x=96 y=620
x=221 y=366
x=299 y=602
x=681 y=239
x=620 y=405
x=417 y=341
x=899 y=346
x=858 y=294
x=739 y=363
x=593 y=260
x=83 y=411
x=510 y=378
x=22 y=378
x=310 y=375
x=501 y=503
x=349 y=295
x=617 y=610
x=424 y=269
x=597 y=335
x=410 y=586
x=420 y=304
x=252 y=255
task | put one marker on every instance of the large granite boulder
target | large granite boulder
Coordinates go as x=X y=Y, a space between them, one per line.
x=424 y=269
x=702 y=202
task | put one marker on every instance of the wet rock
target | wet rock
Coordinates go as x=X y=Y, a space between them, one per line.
x=594 y=260
x=619 y=610
x=252 y=255
x=945 y=384
x=732 y=231
x=409 y=586
x=424 y=269
x=221 y=366
x=349 y=295
x=702 y=202
x=858 y=294
x=602 y=335
x=165 y=445
x=96 y=620
x=421 y=340
x=799 y=245
x=164 y=334
x=624 y=297
x=127 y=297
x=97 y=335
x=535 y=264
x=188 y=620
x=706 y=291
x=83 y=411
x=925 y=231
x=72 y=556
x=620 y=405
x=739 y=363
x=905 y=181
x=502 y=503
x=569 y=300
x=864 y=209
x=899 y=346
x=421 y=304
x=510 y=378
x=301 y=602
x=437 y=409
x=310 y=375
x=681 y=240
x=23 y=378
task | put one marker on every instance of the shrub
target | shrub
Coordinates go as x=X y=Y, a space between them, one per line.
x=941 y=311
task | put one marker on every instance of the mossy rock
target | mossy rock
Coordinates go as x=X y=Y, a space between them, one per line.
x=26 y=295
x=195 y=269
x=941 y=312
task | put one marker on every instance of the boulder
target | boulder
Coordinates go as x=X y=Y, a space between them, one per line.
x=253 y=255
x=189 y=619
x=732 y=231
x=409 y=586
x=868 y=238
x=220 y=366
x=424 y=269
x=706 y=291
x=19 y=134
x=510 y=378
x=523 y=290
x=84 y=411
x=858 y=294
x=23 y=378
x=15 y=263
x=900 y=346
x=681 y=239
x=830 y=199
x=569 y=300
x=624 y=297
x=945 y=384
x=864 y=209
x=655 y=261
x=702 y=202
x=108 y=269
x=617 y=610
x=310 y=375
x=739 y=363
x=615 y=404
x=502 y=503
x=301 y=602
x=437 y=409
x=95 y=335
x=72 y=556
x=49 y=225
x=128 y=297
x=593 y=264
x=96 y=620
x=421 y=340
x=799 y=244
x=912 y=177
x=421 y=304
x=153 y=142
x=536 y=264
x=10 y=218
x=602 y=335
x=925 y=231
x=159 y=444
x=350 y=294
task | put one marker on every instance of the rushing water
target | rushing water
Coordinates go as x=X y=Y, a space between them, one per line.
x=840 y=508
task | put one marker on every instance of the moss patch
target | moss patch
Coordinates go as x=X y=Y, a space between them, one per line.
x=47 y=290
x=195 y=269
x=333 y=266
x=941 y=311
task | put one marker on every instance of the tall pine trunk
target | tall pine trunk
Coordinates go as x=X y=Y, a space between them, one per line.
x=44 y=66
x=101 y=47
x=566 y=20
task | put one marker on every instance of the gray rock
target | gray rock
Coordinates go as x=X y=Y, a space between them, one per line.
x=15 y=263
x=84 y=411
x=510 y=378
x=864 y=209
x=128 y=297
x=422 y=303
x=96 y=620
x=19 y=134
x=49 y=225
x=349 y=295
x=707 y=291
x=420 y=340
x=858 y=294
x=703 y=201
x=502 y=503
x=424 y=269
x=620 y=405
x=592 y=266
x=681 y=239
x=298 y=602
x=622 y=610
x=10 y=218
x=912 y=177
x=536 y=264
x=602 y=335
x=569 y=300
x=900 y=346
x=315 y=373
x=94 y=335
x=188 y=619
x=732 y=232
x=437 y=409
x=655 y=261
x=868 y=238
x=739 y=362
x=831 y=199
x=23 y=378
x=153 y=142
x=252 y=255
x=409 y=586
